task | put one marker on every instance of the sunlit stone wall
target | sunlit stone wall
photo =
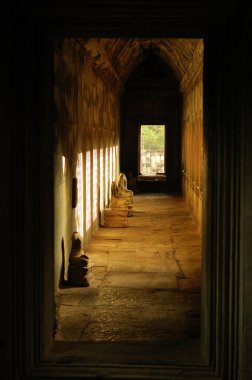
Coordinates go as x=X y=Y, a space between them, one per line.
x=192 y=149
x=87 y=136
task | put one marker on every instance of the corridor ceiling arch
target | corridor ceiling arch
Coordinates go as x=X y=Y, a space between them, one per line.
x=118 y=57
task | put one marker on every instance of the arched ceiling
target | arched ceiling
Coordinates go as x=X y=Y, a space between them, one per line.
x=118 y=57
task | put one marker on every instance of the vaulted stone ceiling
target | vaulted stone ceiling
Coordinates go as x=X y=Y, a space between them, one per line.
x=118 y=57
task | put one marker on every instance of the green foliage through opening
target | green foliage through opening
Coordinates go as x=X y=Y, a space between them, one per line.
x=152 y=137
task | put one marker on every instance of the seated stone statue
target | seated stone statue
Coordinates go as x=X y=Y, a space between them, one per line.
x=115 y=217
x=78 y=263
x=117 y=201
x=125 y=193
x=116 y=214
x=114 y=190
x=122 y=187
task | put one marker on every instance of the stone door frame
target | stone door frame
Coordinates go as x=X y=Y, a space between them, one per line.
x=33 y=281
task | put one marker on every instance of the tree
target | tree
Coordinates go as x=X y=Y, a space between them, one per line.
x=152 y=137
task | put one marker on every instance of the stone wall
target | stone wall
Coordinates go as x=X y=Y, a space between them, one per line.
x=86 y=141
x=192 y=148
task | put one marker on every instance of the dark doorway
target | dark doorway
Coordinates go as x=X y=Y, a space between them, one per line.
x=152 y=96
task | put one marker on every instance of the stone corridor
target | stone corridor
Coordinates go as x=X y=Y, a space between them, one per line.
x=144 y=280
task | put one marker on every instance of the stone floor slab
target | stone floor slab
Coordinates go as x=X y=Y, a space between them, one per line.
x=144 y=280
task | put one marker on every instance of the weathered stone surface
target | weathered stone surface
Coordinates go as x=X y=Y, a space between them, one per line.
x=117 y=57
x=86 y=115
x=192 y=148
x=115 y=218
x=142 y=289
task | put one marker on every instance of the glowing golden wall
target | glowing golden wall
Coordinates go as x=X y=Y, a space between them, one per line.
x=192 y=149
x=87 y=135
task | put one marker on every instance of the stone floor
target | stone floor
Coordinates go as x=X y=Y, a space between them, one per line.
x=144 y=287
